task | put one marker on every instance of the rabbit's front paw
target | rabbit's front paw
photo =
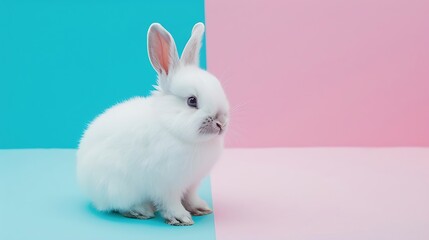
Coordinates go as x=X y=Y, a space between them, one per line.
x=196 y=206
x=178 y=218
x=200 y=211
x=180 y=221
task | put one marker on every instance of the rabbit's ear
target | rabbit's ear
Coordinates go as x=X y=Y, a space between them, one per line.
x=162 y=49
x=191 y=53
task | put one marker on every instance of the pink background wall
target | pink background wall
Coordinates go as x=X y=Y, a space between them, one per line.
x=322 y=73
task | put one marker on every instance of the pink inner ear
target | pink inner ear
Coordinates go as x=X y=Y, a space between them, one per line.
x=191 y=48
x=164 y=52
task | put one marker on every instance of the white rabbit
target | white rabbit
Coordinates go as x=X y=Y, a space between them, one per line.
x=150 y=153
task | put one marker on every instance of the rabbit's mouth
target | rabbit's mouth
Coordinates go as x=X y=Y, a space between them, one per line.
x=212 y=126
x=210 y=130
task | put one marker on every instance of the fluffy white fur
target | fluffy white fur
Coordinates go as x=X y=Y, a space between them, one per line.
x=149 y=154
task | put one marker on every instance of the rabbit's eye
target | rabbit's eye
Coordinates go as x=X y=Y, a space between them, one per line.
x=192 y=102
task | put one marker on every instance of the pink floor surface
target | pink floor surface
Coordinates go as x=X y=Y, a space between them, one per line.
x=322 y=193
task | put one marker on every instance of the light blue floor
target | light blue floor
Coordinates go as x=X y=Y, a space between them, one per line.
x=41 y=200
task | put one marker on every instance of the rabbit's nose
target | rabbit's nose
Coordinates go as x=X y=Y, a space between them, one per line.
x=219 y=125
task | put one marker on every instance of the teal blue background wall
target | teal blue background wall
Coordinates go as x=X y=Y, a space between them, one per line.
x=64 y=62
